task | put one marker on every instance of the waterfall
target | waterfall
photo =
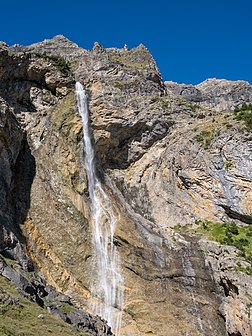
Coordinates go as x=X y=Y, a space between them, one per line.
x=109 y=288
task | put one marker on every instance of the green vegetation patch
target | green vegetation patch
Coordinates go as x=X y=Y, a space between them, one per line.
x=244 y=113
x=126 y=61
x=194 y=107
x=164 y=102
x=10 y=262
x=177 y=227
x=134 y=59
x=65 y=308
x=125 y=85
x=232 y=235
x=20 y=317
x=58 y=61
x=229 y=164
x=205 y=138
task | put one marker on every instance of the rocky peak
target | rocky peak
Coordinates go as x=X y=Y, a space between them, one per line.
x=219 y=94
x=98 y=47
x=3 y=45
x=167 y=156
x=59 y=45
x=223 y=94
x=215 y=82
x=236 y=90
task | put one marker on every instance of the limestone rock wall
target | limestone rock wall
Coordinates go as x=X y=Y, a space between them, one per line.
x=166 y=157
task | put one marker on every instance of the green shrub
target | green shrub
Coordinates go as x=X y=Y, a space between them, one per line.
x=194 y=107
x=232 y=235
x=229 y=164
x=163 y=101
x=247 y=270
x=231 y=228
x=244 y=107
x=205 y=138
x=65 y=307
x=177 y=227
x=241 y=243
x=58 y=61
x=244 y=113
x=125 y=85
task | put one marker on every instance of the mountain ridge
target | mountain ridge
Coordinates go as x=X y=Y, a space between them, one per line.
x=175 y=162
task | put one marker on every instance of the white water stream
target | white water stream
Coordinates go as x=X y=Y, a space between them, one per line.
x=109 y=287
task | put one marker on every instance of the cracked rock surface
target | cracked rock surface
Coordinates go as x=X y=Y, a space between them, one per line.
x=167 y=154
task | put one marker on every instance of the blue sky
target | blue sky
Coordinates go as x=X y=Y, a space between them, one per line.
x=190 y=40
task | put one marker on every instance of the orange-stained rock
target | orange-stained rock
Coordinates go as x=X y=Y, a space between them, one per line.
x=164 y=155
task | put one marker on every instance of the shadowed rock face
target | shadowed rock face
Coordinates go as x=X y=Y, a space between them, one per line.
x=165 y=156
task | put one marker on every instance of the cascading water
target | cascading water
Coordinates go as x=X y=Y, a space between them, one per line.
x=110 y=281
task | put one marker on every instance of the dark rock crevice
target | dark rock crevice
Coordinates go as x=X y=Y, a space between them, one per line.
x=229 y=287
x=236 y=215
x=24 y=171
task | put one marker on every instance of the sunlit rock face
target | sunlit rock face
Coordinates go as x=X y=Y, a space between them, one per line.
x=167 y=155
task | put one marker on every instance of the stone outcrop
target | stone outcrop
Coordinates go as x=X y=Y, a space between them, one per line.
x=57 y=46
x=58 y=304
x=167 y=154
x=217 y=94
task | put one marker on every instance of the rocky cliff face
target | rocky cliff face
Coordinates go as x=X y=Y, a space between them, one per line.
x=175 y=161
